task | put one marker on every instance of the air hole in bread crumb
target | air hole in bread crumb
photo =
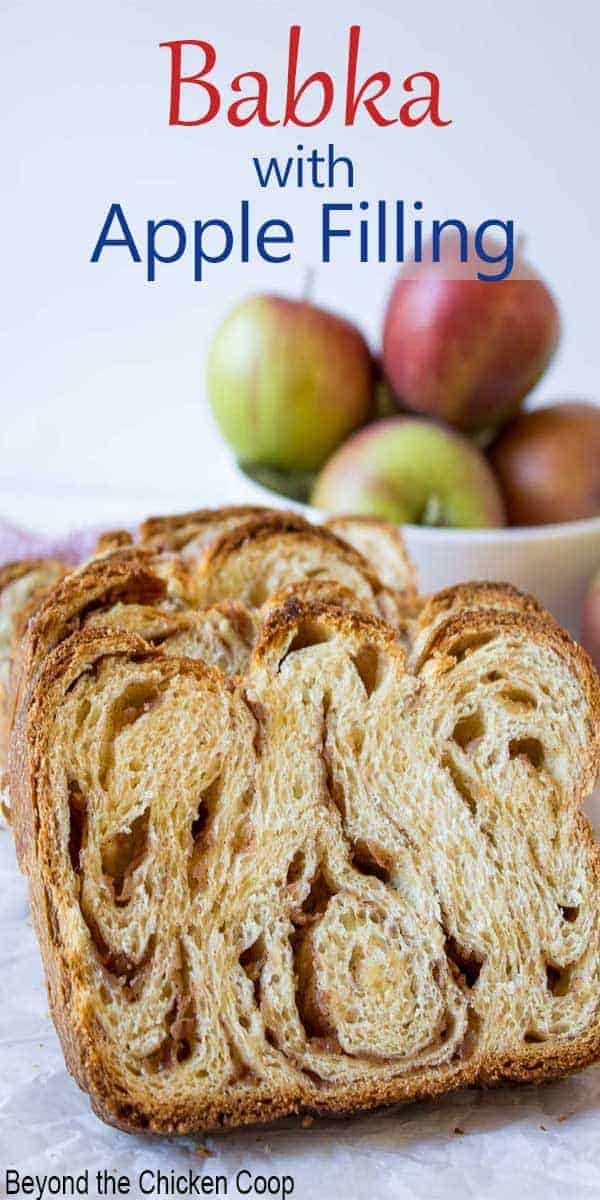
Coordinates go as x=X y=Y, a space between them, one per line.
x=77 y=825
x=460 y=783
x=370 y=859
x=296 y=868
x=316 y=900
x=494 y=677
x=467 y=962
x=252 y=960
x=466 y=645
x=180 y=1035
x=200 y=832
x=558 y=979
x=533 y=1038
x=368 y=664
x=332 y=788
x=467 y=732
x=176 y=1047
x=528 y=747
x=570 y=912
x=309 y=633
x=259 y=713
x=122 y=853
x=519 y=696
x=356 y=962
x=200 y=820
x=357 y=738
x=138 y=699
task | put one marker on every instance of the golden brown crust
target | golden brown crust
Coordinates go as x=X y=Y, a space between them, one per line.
x=174 y=532
x=128 y=574
x=286 y=623
x=481 y=593
x=459 y=640
x=434 y=611
x=11 y=571
x=22 y=586
x=258 y=528
x=320 y=591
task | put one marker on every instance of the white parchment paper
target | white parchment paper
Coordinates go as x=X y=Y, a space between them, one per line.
x=538 y=1141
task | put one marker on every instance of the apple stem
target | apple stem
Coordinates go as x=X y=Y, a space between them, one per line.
x=309 y=281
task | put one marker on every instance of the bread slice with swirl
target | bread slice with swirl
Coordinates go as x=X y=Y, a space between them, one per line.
x=429 y=612
x=261 y=555
x=22 y=585
x=380 y=544
x=201 y=585
x=138 y=591
x=236 y=560
x=338 y=883
x=189 y=533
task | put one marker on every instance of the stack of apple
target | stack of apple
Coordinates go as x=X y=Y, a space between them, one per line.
x=433 y=431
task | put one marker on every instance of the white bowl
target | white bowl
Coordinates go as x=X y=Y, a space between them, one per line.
x=553 y=562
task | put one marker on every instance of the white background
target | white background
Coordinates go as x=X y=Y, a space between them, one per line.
x=103 y=412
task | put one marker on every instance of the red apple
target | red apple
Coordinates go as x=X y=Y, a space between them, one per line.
x=548 y=464
x=464 y=350
x=411 y=471
x=590 y=621
x=288 y=382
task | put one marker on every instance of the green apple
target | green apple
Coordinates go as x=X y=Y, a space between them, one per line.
x=411 y=471
x=288 y=382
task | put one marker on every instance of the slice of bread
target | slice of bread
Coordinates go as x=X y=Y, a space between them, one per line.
x=431 y=611
x=129 y=576
x=22 y=584
x=336 y=884
x=262 y=555
x=152 y=595
x=383 y=546
x=223 y=635
x=189 y=533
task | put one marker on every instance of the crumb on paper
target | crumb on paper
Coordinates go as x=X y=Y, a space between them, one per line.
x=204 y=1152
x=306 y=1122
x=460 y=1132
